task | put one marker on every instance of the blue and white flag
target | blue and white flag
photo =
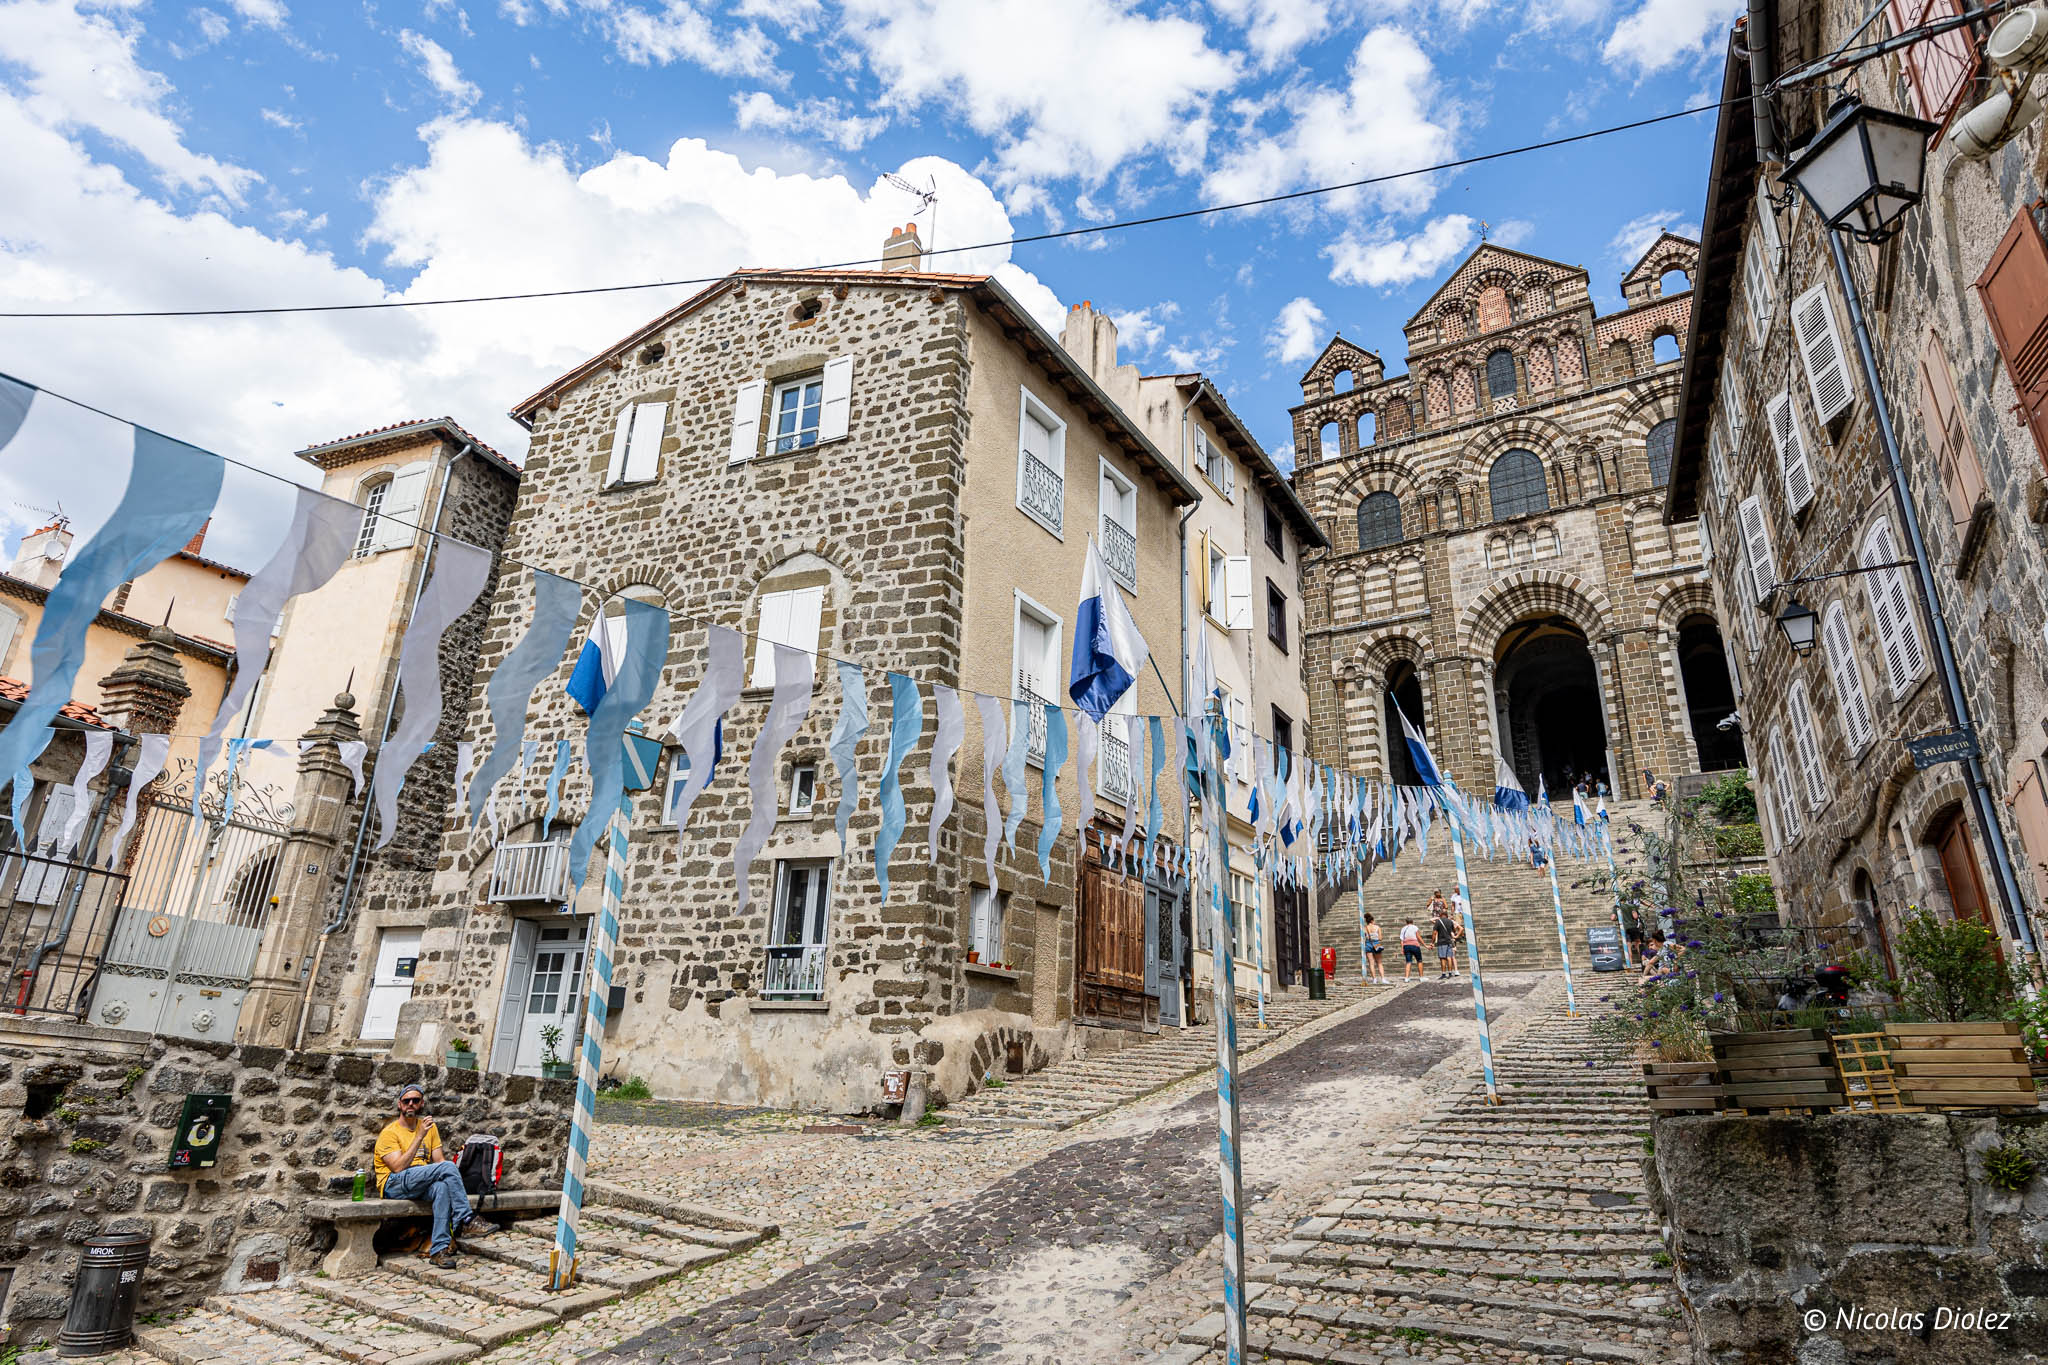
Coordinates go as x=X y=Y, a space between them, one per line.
x=1508 y=794
x=598 y=663
x=1108 y=650
x=1426 y=771
x=1578 y=808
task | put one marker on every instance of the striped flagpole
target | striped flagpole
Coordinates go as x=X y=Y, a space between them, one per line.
x=1564 y=950
x=1358 y=882
x=1272 y=890
x=562 y=1260
x=1614 y=876
x=1471 y=945
x=1223 y=1004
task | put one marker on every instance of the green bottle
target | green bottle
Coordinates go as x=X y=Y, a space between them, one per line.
x=362 y=1181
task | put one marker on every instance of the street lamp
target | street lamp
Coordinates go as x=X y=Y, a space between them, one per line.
x=1801 y=625
x=1864 y=169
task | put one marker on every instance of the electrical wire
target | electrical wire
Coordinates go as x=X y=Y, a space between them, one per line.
x=1090 y=230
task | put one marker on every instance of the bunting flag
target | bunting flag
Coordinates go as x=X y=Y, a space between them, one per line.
x=556 y=603
x=465 y=763
x=991 y=757
x=171 y=491
x=1085 y=727
x=906 y=723
x=952 y=729
x=554 y=787
x=151 y=755
x=353 y=752
x=1049 y=790
x=1155 y=814
x=1134 y=749
x=1014 y=787
x=1109 y=652
x=15 y=398
x=99 y=747
x=789 y=704
x=604 y=738
x=700 y=729
x=322 y=533
x=460 y=572
x=528 y=751
x=847 y=732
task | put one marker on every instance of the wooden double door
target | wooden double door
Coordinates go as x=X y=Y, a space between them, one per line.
x=1128 y=949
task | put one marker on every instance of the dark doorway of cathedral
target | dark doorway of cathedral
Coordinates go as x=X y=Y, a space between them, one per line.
x=1547 y=692
x=1709 y=696
x=1404 y=696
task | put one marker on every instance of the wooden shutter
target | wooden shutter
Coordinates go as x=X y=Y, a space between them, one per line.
x=400 y=512
x=1732 y=394
x=2014 y=292
x=1756 y=541
x=1848 y=677
x=1229 y=475
x=1938 y=69
x=1806 y=741
x=1781 y=779
x=643 y=454
x=622 y=440
x=772 y=626
x=1715 y=465
x=1794 y=469
x=1767 y=226
x=1820 y=353
x=806 y=614
x=1891 y=605
x=2028 y=802
x=1237 y=580
x=746 y=420
x=1941 y=414
x=1759 y=291
x=837 y=405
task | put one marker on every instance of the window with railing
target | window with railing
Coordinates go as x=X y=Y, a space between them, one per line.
x=1115 y=778
x=530 y=872
x=1037 y=650
x=794 y=959
x=1041 y=465
x=1120 y=525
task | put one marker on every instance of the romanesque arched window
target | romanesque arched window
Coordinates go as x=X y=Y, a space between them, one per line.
x=1658 y=446
x=1500 y=374
x=1379 y=521
x=1517 y=486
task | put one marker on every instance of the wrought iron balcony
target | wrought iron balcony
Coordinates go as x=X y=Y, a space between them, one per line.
x=1120 y=552
x=795 y=971
x=531 y=872
x=1044 y=492
x=1034 y=711
x=1115 y=769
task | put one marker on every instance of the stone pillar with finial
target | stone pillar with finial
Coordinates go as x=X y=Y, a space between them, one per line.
x=305 y=882
x=145 y=695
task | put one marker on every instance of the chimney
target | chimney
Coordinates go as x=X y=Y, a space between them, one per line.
x=1090 y=338
x=42 y=554
x=903 y=251
x=194 y=545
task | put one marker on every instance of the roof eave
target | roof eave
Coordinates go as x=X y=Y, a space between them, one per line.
x=1279 y=486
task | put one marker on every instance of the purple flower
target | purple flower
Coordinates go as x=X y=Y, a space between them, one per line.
x=1717 y=997
x=1655 y=1043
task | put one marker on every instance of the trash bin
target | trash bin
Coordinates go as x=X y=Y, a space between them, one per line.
x=102 y=1313
x=1329 y=956
x=1316 y=987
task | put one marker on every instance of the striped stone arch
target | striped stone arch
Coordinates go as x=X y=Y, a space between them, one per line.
x=1672 y=602
x=1546 y=439
x=1529 y=592
x=1361 y=477
x=1363 y=670
x=1647 y=405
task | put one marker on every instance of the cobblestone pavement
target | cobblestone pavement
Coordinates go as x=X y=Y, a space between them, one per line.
x=1070 y=1256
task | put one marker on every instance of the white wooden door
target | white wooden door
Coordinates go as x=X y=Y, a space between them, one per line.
x=398 y=953
x=554 y=992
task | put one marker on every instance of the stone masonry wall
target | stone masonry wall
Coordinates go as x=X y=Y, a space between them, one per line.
x=86 y=1125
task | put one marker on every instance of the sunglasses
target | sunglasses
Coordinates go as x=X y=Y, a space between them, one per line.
x=411 y=1099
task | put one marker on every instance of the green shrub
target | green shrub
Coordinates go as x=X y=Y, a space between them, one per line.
x=1730 y=798
x=81 y=1146
x=1739 y=841
x=633 y=1088
x=1751 y=894
x=2008 y=1167
x=1951 y=972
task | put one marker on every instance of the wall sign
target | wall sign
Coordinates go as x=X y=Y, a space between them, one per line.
x=1952 y=747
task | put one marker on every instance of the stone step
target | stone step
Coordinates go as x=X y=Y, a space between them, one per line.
x=1628 y=1218
x=530 y=1253
x=342 y=1330
x=448 y=1312
x=600 y=1247
x=1596 y=1306
x=1380 y=1232
x=500 y=1283
x=729 y=1239
x=1535 y=1265
x=208 y=1337
x=1520 y=1333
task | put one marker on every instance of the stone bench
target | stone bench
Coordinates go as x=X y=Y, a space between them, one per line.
x=356 y=1222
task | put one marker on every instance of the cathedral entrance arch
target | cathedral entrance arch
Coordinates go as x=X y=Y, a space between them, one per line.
x=1709 y=695
x=1547 y=695
x=1403 y=688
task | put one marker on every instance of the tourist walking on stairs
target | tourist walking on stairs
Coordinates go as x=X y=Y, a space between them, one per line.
x=1375 y=963
x=1411 y=951
x=1444 y=932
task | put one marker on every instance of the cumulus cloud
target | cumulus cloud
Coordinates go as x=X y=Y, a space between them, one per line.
x=1381 y=258
x=827 y=118
x=1140 y=330
x=679 y=31
x=438 y=66
x=1635 y=236
x=1666 y=33
x=1275 y=28
x=267 y=13
x=1296 y=332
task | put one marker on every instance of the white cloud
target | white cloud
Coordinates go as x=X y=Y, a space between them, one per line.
x=438 y=66
x=212 y=27
x=1636 y=235
x=278 y=118
x=268 y=13
x=828 y=118
x=1665 y=33
x=1066 y=89
x=795 y=16
x=1296 y=332
x=1512 y=232
x=1275 y=28
x=1140 y=330
x=1390 y=116
x=679 y=31
x=1380 y=258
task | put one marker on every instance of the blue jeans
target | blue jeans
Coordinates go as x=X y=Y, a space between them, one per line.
x=440 y=1184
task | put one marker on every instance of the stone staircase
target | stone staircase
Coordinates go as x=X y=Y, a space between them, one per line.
x=1511 y=905
x=408 y=1312
x=1515 y=1233
x=1073 y=1091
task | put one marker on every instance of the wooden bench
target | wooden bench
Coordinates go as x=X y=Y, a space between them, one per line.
x=1682 y=1087
x=1790 y=1068
x=1962 y=1066
x=356 y=1222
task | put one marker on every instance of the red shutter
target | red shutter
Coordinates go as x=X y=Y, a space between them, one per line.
x=2014 y=292
x=1941 y=412
x=1938 y=68
x=2029 y=804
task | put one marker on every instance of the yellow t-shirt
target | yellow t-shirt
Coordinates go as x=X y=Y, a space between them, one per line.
x=393 y=1141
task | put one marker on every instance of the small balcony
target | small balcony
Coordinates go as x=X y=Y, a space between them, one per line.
x=1115 y=765
x=1043 y=492
x=1034 y=713
x=795 y=971
x=1120 y=552
x=531 y=872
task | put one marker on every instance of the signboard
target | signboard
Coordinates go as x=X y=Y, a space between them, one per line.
x=894 y=1084
x=1951 y=747
x=197 y=1139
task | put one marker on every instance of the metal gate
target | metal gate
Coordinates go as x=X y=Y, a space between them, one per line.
x=200 y=891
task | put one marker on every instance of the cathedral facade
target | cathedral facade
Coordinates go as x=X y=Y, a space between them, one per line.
x=1499 y=567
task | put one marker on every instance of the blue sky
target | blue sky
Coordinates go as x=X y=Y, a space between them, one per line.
x=283 y=151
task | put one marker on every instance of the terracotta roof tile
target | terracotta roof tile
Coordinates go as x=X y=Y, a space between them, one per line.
x=15 y=692
x=425 y=423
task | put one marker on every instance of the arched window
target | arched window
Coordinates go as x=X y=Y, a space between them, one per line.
x=1500 y=374
x=1342 y=381
x=1664 y=349
x=1368 y=429
x=1658 y=446
x=1379 y=520
x=1326 y=441
x=1517 y=486
x=1673 y=281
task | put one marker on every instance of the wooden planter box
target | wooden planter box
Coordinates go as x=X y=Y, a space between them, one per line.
x=1779 y=1069
x=1682 y=1087
x=1962 y=1066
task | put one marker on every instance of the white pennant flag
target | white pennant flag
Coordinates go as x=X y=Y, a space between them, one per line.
x=99 y=747
x=150 y=758
x=465 y=761
x=795 y=671
x=352 y=754
x=946 y=743
x=991 y=759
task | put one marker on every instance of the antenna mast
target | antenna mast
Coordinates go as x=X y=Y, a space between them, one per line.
x=927 y=198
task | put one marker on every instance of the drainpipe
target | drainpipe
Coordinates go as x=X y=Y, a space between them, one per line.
x=1757 y=38
x=1187 y=1009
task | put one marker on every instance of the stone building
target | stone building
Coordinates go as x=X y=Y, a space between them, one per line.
x=1498 y=556
x=896 y=468
x=1778 y=450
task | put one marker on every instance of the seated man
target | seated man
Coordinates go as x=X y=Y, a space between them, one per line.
x=411 y=1164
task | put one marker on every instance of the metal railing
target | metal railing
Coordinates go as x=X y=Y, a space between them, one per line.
x=1115 y=766
x=55 y=920
x=1044 y=492
x=1034 y=711
x=1120 y=551
x=795 y=971
x=530 y=872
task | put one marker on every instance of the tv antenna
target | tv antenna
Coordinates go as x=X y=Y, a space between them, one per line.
x=927 y=198
x=56 y=514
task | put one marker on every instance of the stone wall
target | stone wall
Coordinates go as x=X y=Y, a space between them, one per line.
x=1854 y=1237
x=86 y=1124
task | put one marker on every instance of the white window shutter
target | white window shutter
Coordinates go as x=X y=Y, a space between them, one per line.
x=1781 y=779
x=1237 y=605
x=1714 y=463
x=1806 y=740
x=838 y=398
x=806 y=614
x=1849 y=691
x=397 y=518
x=746 y=420
x=772 y=626
x=1820 y=353
x=622 y=441
x=1892 y=605
x=643 y=453
x=1229 y=477
x=1794 y=469
x=1767 y=222
x=1758 y=290
x=1756 y=539
x=1706 y=543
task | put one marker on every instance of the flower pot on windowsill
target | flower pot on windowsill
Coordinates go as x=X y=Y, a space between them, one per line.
x=460 y=1061
x=973 y=956
x=558 y=1071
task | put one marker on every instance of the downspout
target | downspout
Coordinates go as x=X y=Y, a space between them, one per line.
x=1187 y=1009
x=1757 y=39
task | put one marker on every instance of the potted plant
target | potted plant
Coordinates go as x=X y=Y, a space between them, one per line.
x=973 y=956
x=552 y=1067
x=459 y=1057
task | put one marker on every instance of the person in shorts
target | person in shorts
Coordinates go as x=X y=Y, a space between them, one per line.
x=1444 y=934
x=1411 y=950
x=1375 y=965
